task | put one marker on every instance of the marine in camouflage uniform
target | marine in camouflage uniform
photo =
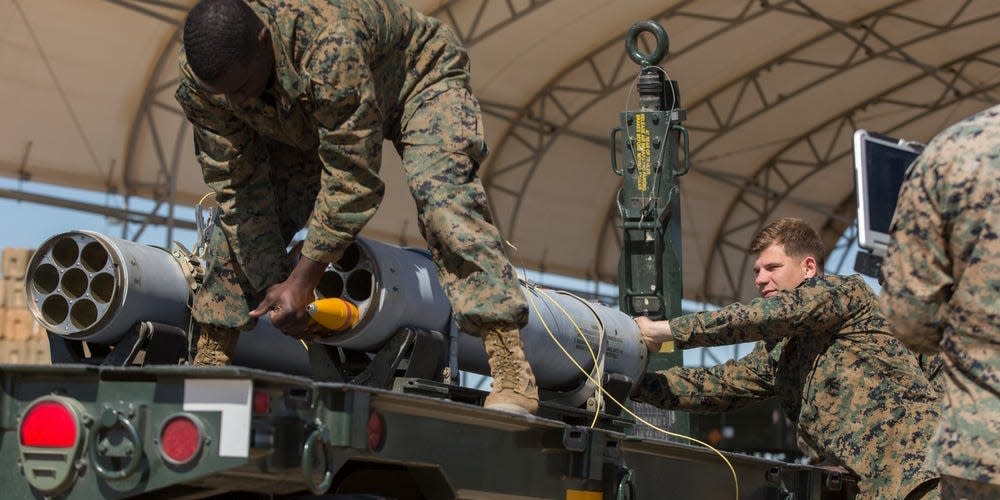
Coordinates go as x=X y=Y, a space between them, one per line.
x=305 y=152
x=858 y=396
x=942 y=294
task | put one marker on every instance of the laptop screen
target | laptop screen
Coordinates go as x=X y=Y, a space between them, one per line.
x=880 y=164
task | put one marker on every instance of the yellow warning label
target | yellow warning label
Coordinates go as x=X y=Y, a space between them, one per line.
x=642 y=155
x=583 y=495
x=667 y=346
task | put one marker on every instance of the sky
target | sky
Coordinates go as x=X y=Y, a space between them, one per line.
x=27 y=225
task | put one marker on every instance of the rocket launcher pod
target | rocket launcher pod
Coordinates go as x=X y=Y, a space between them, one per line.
x=85 y=286
x=90 y=287
x=396 y=288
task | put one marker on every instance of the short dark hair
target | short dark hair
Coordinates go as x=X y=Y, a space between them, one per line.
x=218 y=34
x=798 y=238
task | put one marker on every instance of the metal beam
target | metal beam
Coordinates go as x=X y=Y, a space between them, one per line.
x=473 y=30
x=136 y=7
x=750 y=186
x=114 y=213
x=745 y=207
x=548 y=107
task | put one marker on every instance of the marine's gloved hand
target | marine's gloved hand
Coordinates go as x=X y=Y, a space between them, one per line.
x=286 y=301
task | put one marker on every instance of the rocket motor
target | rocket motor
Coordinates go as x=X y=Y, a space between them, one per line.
x=87 y=286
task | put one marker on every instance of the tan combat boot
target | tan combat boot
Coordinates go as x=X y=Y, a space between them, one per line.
x=514 y=389
x=216 y=345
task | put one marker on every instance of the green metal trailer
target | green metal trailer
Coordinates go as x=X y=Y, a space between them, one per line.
x=77 y=431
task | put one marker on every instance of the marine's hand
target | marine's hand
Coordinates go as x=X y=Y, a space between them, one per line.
x=654 y=333
x=286 y=301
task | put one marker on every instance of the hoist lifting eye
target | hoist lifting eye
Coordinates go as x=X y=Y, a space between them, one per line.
x=658 y=53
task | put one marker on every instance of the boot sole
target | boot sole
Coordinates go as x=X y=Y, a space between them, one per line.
x=509 y=408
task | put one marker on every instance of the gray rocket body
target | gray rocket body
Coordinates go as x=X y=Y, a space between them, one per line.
x=87 y=286
x=396 y=287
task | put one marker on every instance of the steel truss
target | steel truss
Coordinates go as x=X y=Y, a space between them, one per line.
x=551 y=114
x=532 y=129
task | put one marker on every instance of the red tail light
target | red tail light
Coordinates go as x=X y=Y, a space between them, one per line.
x=261 y=403
x=51 y=435
x=49 y=424
x=181 y=439
x=376 y=431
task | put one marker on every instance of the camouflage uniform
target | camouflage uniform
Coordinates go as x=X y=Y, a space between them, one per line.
x=857 y=395
x=942 y=289
x=349 y=74
x=933 y=367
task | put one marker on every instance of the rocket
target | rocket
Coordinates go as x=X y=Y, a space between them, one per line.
x=334 y=313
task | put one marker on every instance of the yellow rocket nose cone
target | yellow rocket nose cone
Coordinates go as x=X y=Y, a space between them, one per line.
x=334 y=313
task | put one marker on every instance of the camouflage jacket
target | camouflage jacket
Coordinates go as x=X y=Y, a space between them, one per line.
x=857 y=395
x=942 y=286
x=348 y=74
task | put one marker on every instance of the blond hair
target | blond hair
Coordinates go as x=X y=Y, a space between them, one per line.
x=798 y=238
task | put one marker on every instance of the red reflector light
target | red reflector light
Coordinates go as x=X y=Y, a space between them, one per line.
x=376 y=431
x=49 y=424
x=180 y=440
x=261 y=402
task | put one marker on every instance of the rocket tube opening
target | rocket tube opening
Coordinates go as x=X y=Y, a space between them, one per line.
x=359 y=285
x=45 y=278
x=350 y=258
x=83 y=314
x=74 y=283
x=330 y=285
x=102 y=287
x=65 y=252
x=94 y=257
x=55 y=308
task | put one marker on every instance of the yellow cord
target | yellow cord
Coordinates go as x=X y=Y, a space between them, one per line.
x=579 y=331
x=203 y=198
x=593 y=355
x=736 y=483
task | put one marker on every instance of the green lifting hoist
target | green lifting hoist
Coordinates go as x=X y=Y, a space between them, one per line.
x=649 y=269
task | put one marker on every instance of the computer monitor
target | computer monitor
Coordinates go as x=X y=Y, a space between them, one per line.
x=880 y=164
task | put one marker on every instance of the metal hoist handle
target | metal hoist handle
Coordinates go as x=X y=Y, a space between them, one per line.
x=687 y=150
x=614 y=151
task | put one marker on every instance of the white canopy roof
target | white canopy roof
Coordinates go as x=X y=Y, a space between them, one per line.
x=773 y=89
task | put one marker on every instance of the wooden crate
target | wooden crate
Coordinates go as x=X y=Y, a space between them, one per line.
x=36 y=350
x=13 y=351
x=13 y=295
x=25 y=352
x=15 y=262
x=19 y=324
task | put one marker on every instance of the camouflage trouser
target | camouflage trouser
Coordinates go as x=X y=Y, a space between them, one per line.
x=927 y=490
x=441 y=145
x=226 y=296
x=956 y=488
